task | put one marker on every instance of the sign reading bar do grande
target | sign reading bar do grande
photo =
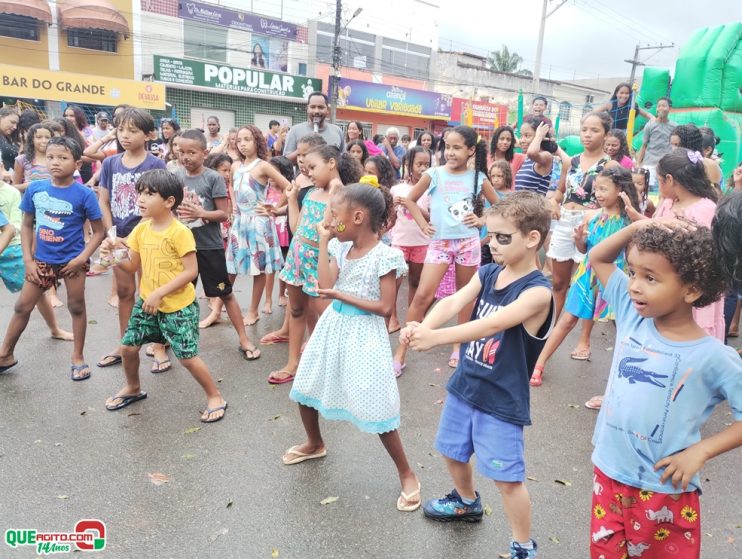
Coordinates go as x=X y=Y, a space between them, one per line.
x=234 y=19
x=392 y=99
x=230 y=78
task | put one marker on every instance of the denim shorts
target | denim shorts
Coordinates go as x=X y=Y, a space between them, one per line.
x=562 y=247
x=498 y=445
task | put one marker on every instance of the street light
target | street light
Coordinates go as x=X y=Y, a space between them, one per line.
x=336 y=57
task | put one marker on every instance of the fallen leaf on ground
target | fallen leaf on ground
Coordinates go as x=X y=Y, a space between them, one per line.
x=433 y=384
x=275 y=417
x=609 y=348
x=189 y=456
x=531 y=478
x=419 y=465
x=92 y=322
x=63 y=497
x=219 y=380
x=274 y=554
x=230 y=503
x=553 y=539
x=328 y=500
x=158 y=478
x=192 y=430
x=504 y=555
x=57 y=444
x=487 y=510
x=83 y=412
x=438 y=402
x=563 y=482
x=573 y=406
x=212 y=538
x=133 y=413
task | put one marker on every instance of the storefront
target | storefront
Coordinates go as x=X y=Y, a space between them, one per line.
x=197 y=90
x=49 y=91
x=482 y=116
x=380 y=106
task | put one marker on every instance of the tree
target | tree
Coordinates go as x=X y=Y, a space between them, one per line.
x=504 y=61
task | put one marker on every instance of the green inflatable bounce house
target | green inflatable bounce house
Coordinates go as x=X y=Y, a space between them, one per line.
x=706 y=91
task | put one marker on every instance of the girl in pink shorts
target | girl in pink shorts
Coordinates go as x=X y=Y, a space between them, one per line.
x=406 y=234
x=455 y=194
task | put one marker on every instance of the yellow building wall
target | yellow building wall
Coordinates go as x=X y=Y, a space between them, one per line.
x=85 y=61
x=33 y=54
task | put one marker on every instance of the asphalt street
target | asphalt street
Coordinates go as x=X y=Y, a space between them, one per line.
x=168 y=486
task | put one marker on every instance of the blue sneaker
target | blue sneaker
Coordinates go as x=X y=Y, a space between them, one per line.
x=519 y=552
x=451 y=507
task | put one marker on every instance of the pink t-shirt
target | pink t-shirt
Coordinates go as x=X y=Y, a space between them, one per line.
x=710 y=318
x=405 y=232
x=626 y=162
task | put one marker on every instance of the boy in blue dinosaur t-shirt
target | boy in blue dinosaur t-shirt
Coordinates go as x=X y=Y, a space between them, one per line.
x=666 y=378
x=54 y=249
x=488 y=400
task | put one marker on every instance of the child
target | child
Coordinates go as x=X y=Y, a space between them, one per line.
x=328 y=169
x=454 y=196
x=584 y=300
x=488 y=402
x=616 y=147
x=379 y=166
x=31 y=164
x=406 y=234
x=358 y=149
x=501 y=175
x=166 y=310
x=211 y=209
x=534 y=174
x=666 y=378
x=118 y=202
x=687 y=192
x=55 y=248
x=502 y=148
x=640 y=177
x=253 y=244
x=7 y=232
x=358 y=272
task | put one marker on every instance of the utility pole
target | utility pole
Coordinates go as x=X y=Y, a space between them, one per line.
x=335 y=62
x=540 y=47
x=636 y=62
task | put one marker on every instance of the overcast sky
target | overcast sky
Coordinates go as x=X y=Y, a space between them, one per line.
x=589 y=37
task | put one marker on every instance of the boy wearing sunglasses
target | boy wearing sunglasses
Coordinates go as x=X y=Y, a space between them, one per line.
x=488 y=400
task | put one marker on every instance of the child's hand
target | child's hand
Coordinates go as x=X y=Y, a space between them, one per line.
x=291 y=191
x=404 y=335
x=429 y=230
x=325 y=231
x=73 y=267
x=264 y=210
x=32 y=271
x=681 y=467
x=471 y=220
x=541 y=132
x=580 y=233
x=422 y=338
x=152 y=302
x=629 y=208
x=190 y=211
x=328 y=293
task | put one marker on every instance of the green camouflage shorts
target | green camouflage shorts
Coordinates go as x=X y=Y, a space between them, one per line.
x=179 y=329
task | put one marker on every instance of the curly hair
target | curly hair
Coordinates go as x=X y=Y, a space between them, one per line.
x=624 y=182
x=29 y=149
x=386 y=174
x=261 y=145
x=692 y=255
x=690 y=136
x=726 y=229
x=623 y=147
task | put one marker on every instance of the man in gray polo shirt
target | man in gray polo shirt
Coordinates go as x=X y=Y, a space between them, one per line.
x=317 y=110
x=656 y=143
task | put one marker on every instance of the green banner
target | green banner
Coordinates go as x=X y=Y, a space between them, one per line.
x=230 y=78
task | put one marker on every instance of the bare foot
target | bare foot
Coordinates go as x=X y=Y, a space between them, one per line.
x=63 y=335
x=268 y=307
x=216 y=407
x=113 y=300
x=210 y=320
x=250 y=319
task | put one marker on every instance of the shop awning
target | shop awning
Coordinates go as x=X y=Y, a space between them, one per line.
x=92 y=14
x=37 y=9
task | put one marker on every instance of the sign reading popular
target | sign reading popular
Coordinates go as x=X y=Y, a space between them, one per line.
x=34 y=83
x=231 y=78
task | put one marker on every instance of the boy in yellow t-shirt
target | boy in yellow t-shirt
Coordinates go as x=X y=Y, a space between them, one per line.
x=167 y=311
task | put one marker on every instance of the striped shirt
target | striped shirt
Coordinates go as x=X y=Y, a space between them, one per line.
x=529 y=180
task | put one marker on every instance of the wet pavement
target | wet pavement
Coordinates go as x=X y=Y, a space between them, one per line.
x=168 y=486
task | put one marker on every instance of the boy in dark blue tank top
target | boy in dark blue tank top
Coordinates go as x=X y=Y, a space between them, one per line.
x=488 y=402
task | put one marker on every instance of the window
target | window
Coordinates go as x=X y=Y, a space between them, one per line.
x=19 y=27
x=204 y=41
x=564 y=110
x=586 y=109
x=95 y=39
x=302 y=69
x=398 y=57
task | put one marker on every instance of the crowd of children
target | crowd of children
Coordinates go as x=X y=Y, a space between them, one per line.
x=342 y=231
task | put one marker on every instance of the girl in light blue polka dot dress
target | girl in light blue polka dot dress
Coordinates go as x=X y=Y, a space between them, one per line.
x=346 y=370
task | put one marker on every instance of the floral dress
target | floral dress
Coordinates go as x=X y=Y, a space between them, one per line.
x=579 y=186
x=252 y=247
x=584 y=299
x=346 y=370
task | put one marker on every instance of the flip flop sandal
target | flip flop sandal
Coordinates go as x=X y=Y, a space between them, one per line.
x=301 y=456
x=594 y=403
x=270 y=339
x=454 y=358
x=209 y=411
x=580 y=355
x=4 y=368
x=405 y=498
x=536 y=377
x=109 y=361
x=161 y=366
x=126 y=400
x=150 y=352
x=75 y=369
x=250 y=354
x=274 y=380
x=398 y=368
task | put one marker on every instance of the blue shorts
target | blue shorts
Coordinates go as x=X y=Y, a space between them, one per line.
x=12 y=270
x=498 y=445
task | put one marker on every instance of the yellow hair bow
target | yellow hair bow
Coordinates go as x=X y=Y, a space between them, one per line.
x=370 y=180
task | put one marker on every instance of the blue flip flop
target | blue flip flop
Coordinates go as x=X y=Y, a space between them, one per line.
x=76 y=369
x=4 y=368
x=209 y=411
x=126 y=400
